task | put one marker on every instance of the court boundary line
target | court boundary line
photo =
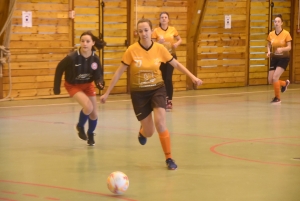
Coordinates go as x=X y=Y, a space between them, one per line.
x=126 y=100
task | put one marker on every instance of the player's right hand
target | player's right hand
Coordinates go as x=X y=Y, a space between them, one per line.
x=198 y=81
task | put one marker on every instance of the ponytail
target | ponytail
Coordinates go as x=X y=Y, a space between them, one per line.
x=99 y=43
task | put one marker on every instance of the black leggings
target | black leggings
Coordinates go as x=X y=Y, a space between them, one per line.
x=167 y=73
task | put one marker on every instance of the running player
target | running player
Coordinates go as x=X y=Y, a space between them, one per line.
x=81 y=68
x=147 y=87
x=279 y=45
x=166 y=35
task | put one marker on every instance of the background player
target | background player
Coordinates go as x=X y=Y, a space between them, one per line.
x=81 y=68
x=280 y=42
x=165 y=35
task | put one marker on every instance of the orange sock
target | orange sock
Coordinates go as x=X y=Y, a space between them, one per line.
x=141 y=131
x=282 y=83
x=276 y=86
x=166 y=143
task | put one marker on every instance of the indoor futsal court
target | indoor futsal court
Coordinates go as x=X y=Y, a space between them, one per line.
x=229 y=144
x=234 y=137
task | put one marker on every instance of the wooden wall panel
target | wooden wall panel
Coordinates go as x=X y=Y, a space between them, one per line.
x=177 y=10
x=259 y=23
x=36 y=50
x=296 y=45
x=222 y=57
x=115 y=35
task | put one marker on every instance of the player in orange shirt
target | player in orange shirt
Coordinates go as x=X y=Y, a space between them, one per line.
x=279 y=45
x=165 y=34
x=147 y=88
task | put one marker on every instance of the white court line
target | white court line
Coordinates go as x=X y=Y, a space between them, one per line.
x=203 y=95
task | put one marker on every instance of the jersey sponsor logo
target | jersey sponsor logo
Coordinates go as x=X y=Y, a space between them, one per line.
x=146 y=79
x=157 y=62
x=94 y=65
x=83 y=77
x=138 y=63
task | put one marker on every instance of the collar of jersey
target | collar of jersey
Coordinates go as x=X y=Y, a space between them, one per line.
x=78 y=52
x=279 y=32
x=144 y=47
x=164 y=29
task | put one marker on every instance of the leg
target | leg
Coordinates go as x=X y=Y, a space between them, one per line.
x=276 y=83
x=147 y=126
x=93 y=119
x=168 y=81
x=164 y=136
x=85 y=102
x=87 y=108
x=147 y=129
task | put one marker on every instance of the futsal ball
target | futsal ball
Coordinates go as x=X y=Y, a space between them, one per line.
x=117 y=182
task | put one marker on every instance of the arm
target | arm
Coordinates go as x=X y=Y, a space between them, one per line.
x=99 y=77
x=179 y=40
x=58 y=75
x=269 y=49
x=114 y=80
x=184 y=70
x=285 y=49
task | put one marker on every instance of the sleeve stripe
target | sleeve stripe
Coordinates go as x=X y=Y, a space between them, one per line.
x=170 y=60
x=125 y=63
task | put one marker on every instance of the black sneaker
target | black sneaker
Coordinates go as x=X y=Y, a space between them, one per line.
x=283 y=89
x=81 y=132
x=276 y=100
x=91 y=141
x=171 y=164
x=142 y=139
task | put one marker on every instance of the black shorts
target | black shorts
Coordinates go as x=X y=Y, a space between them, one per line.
x=279 y=62
x=144 y=101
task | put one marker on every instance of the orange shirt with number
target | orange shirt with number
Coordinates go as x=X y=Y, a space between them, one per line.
x=279 y=40
x=144 y=65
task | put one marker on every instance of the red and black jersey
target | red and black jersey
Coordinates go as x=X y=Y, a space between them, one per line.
x=78 y=70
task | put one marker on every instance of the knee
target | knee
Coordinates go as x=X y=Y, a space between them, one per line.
x=275 y=79
x=148 y=132
x=160 y=127
x=270 y=81
x=88 y=108
x=94 y=115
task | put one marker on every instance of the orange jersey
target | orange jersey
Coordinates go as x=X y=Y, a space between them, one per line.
x=168 y=35
x=144 y=65
x=278 y=41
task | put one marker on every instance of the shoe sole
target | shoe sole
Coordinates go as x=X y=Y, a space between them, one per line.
x=172 y=168
x=287 y=84
x=276 y=103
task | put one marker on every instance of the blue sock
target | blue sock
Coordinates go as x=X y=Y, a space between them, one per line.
x=92 y=126
x=82 y=119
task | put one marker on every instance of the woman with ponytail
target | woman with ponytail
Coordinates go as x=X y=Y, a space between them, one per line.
x=81 y=68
